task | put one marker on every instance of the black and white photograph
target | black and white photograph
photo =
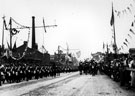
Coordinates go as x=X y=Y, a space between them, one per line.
x=67 y=47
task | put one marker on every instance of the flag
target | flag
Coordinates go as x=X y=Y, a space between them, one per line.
x=44 y=25
x=78 y=54
x=125 y=44
x=10 y=21
x=103 y=45
x=5 y=25
x=112 y=17
x=132 y=31
x=44 y=48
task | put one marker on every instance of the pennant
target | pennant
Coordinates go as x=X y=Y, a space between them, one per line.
x=126 y=40
x=44 y=48
x=129 y=9
x=118 y=14
x=132 y=24
x=129 y=36
x=125 y=44
x=112 y=17
x=44 y=25
x=132 y=31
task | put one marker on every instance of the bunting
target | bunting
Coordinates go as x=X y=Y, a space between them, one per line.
x=132 y=31
x=127 y=8
x=14 y=31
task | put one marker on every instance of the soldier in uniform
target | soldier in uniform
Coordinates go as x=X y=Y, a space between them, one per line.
x=2 y=68
x=80 y=67
x=133 y=72
x=54 y=69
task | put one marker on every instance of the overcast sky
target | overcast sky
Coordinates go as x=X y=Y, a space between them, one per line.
x=82 y=24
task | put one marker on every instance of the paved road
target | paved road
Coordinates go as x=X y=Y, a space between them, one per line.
x=71 y=84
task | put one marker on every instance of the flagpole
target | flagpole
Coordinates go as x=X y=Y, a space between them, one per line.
x=115 y=39
x=3 y=33
x=10 y=33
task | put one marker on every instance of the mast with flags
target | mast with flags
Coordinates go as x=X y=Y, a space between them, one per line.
x=112 y=23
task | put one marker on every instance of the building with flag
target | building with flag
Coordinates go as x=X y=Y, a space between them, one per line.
x=20 y=54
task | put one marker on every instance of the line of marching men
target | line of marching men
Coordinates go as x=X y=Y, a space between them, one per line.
x=17 y=73
x=88 y=67
x=121 y=70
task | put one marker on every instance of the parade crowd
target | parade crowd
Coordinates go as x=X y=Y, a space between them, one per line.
x=88 y=67
x=121 y=70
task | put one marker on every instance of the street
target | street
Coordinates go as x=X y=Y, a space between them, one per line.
x=68 y=84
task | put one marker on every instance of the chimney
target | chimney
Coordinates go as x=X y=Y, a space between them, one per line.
x=33 y=33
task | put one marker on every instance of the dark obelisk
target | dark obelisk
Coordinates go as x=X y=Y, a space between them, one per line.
x=33 y=33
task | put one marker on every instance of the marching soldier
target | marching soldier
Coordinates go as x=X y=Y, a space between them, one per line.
x=80 y=68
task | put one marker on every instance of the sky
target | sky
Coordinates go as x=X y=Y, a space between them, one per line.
x=82 y=24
